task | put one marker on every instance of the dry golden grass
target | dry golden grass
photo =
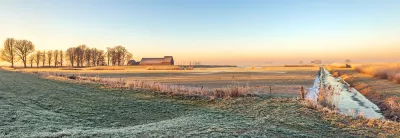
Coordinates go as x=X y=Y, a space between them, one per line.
x=106 y=68
x=8 y=68
x=383 y=71
x=170 y=89
x=300 y=65
x=164 y=68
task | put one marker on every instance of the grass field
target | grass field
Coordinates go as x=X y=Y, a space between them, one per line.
x=31 y=106
x=384 y=93
x=285 y=81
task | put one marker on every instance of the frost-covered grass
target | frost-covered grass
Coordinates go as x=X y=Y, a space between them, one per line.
x=35 y=107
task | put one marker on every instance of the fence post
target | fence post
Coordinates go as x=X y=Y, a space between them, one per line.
x=302 y=92
x=270 y=89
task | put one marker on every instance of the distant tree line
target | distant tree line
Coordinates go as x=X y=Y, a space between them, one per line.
x=80 y=56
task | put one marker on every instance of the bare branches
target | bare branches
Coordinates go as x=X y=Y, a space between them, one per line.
x=8 y=52
x=49 y=57
x=55 y=53
x=23 y=48
x=117 y=55
x=43 y=56
x=80 y=52
x=71 y=54
x=31 y=59
x=38 y=58
x=61 y=57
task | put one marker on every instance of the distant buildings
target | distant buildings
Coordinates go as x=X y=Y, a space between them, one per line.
x=316 y=62
x=167 y=60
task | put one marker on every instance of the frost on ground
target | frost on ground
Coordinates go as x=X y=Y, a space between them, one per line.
x=35 y=107
x=346 y=99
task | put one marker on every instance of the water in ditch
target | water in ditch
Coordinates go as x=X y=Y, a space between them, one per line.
x=344 y=98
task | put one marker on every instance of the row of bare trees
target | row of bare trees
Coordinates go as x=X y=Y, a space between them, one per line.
x=83 y=54
x=118 y=55
x=80 y=56
x=15 y=50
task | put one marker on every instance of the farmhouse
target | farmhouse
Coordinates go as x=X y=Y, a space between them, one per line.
x=167 y=60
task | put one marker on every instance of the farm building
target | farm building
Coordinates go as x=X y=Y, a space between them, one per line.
x=167 y=60
x=133 y=62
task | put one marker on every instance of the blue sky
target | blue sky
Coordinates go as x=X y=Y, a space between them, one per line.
x=213 y=31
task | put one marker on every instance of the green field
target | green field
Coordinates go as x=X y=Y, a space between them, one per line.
x=34 y=107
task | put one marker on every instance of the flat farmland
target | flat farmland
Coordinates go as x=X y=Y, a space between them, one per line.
x=280 y=81
x=31 y=106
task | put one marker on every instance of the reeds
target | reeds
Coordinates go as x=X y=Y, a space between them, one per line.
x=384 y=71
x=393 y=103
x=230 y=91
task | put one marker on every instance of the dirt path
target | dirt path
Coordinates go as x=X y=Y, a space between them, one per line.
x=34 y=107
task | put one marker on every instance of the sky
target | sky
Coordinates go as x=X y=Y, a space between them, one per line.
x=246 y=32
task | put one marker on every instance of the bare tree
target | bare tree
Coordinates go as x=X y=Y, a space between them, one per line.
x=49 y=57
x=120 y=53
x=38 y=57
x=117 y=55
x=93 y=56
x=80 y=52
x=55 y=54
x=128 y=57
x=7 y=53
x=61 y=57
x=109 y=55
x=71 y=54
x=43 y=57
x=88 y=56
x=23 y=48
x=100 y=58
x=31 y=59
